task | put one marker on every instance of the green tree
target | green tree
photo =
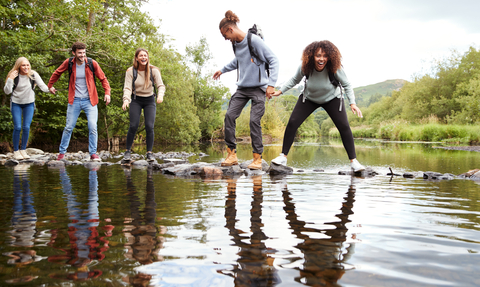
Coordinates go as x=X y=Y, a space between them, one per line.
x=207 y=94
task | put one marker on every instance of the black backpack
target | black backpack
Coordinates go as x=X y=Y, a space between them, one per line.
x=89 y=64
x=17 y=78
x=253 y=52
x=135 y=74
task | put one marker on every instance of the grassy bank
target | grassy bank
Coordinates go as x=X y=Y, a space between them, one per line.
x=404 y=131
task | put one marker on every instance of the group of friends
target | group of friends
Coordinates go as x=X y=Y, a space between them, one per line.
x=321 y=70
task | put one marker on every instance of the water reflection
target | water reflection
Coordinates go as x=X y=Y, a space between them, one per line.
x=324 y=260
x=143 y=244
x=24 y=216
x=254 y=264
x=23 y=224
x=85 y=243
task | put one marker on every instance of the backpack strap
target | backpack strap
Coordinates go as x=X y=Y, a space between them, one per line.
x=134 y=78
x=89 y=63
x=17 y=78
x=253 y=53
x=153 y=82
x=334 y=82
x=234 y=52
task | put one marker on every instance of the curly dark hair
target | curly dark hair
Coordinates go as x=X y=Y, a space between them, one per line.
x=333 y=54
x=230 y=20
x=79 y=46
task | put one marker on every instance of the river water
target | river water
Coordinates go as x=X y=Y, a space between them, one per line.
x=118 y=227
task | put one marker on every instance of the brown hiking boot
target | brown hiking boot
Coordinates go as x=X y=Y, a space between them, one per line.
x=231 y=158
x=257 y=161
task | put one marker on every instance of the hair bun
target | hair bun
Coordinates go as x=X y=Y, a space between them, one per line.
x=231 y=17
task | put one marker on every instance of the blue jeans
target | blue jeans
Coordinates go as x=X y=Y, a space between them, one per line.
x=73 y=111
x=19 y=110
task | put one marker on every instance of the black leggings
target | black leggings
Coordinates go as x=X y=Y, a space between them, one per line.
x=301 y=112
x=149 y=110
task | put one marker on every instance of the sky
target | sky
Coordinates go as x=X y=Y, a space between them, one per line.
x=379 y=39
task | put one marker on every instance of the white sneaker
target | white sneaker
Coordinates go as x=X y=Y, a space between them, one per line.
x=24 y=154
x=356 y=166
x=280 y=160
x=17 y=155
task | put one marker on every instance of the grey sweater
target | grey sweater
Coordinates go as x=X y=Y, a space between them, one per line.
x=23 y=93
x=319 y=88
x=248 y=71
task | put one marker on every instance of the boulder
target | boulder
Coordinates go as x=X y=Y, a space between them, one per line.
x=368 y=172
x=210 y=171
x=11 y=162
x=34 y=151
x=277 y=169
x=231 y=170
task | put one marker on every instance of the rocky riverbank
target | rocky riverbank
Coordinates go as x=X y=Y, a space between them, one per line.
x=177 y=164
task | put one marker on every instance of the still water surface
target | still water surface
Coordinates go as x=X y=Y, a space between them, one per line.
x=118 y=227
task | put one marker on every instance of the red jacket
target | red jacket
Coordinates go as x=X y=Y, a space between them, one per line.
x=92 y=89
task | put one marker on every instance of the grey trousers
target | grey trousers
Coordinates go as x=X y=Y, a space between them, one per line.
x=238 y=101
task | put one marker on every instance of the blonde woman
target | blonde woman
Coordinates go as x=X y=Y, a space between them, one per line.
x=21 y=82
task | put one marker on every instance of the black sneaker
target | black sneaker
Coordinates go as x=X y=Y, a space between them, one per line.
x=150 y=156
x=127 y=155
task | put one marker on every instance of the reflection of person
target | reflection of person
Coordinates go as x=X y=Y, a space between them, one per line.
x=82 y=95
x=321 y=65
x=142 y=244
x=24 y=216
x=20 y=82
x=85 y=241
x=323 y=263
x=138 y=94
x=255 y=265
x=253 y=84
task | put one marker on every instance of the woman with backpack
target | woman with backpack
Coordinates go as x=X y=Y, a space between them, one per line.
x=21 y=82
x=139 y=94
x=322 y=68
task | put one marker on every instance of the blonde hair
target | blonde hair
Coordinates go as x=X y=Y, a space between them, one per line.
x=16 y=67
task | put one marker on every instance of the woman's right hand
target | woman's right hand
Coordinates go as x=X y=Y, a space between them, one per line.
x=125 y=105
x=277 y=93
x=13 y=75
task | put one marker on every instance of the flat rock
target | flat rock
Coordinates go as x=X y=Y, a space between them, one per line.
x=175 y=161
x=158 y=166
x=368 y=172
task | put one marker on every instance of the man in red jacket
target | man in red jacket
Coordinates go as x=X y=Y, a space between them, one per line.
x=82 y=95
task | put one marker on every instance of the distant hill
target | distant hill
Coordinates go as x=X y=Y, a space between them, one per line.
x=363 y=94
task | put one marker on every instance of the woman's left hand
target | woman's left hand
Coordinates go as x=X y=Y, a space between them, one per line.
x=356 y=110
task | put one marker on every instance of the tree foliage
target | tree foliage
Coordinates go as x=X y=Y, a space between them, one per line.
x=450 y=93
x=44 y=30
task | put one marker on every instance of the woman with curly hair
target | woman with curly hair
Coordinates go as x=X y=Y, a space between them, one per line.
x=20 y=82
x=322 y=68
